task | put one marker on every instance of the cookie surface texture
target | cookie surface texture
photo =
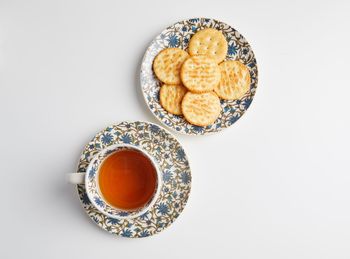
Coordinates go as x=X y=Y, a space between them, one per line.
x=201 y=109
x=209 y=42
x=171 y=97
x=200 y=74
x=235 y=80
x=167 y=65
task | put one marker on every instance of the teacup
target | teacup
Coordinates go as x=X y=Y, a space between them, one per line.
x=121 y=181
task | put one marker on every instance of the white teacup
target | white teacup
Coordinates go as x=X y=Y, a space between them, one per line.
x=91 y=180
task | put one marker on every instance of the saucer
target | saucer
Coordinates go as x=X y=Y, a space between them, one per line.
x=173 y=163
x=178 y=36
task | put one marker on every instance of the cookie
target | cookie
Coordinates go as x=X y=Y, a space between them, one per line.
x=200 y=74
x=167 y=65
x=171 y=96
x=209 y=42
x=201 y=109
x=235 y=80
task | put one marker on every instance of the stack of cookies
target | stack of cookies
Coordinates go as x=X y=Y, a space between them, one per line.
x=194 y=82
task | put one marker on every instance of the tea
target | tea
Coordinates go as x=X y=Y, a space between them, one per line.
x=127 y=179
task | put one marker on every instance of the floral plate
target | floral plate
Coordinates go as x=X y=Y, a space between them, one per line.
x=173 y=163
x=178 y=35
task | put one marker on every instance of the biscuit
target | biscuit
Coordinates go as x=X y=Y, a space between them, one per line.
x=235 y=80
x=209 y=42
x=201 y=109
x=200 y=74
x=171 y=96
x=167 y=65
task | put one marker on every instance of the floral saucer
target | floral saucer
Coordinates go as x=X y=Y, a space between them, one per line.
x=173 y=163
x=178 y=35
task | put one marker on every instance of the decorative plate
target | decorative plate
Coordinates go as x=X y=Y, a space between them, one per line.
x=178 y=35
x=173 y=163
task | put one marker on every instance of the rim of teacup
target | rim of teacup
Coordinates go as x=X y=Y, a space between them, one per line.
x=94 y=189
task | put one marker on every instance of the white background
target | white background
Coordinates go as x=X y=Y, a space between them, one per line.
x=275 y=185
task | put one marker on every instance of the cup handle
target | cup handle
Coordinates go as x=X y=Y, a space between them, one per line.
x=76 y=178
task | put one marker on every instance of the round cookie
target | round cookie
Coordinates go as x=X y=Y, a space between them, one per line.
x=200 y=74
x=201 y=109
x=209 y=42
x=235 y=80
x=167 y=65
x=171 y=96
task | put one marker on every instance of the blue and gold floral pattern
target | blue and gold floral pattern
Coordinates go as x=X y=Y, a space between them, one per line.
x=178 y=35
x=172 y=162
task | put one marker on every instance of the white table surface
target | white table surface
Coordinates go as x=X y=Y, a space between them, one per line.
x=275 y=185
